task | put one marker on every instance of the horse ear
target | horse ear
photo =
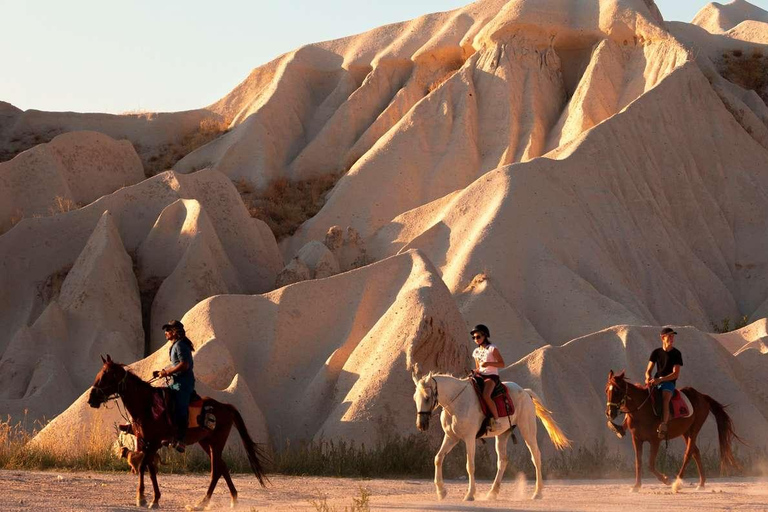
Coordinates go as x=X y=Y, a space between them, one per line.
x=109 y=359
x=610 y=374
x=415 y=374
x=102 y=358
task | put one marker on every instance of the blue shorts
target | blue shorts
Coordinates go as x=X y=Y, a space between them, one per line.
x=667 y=386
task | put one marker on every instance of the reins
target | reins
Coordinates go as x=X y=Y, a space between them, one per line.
x=437 y=402
x=622 y=404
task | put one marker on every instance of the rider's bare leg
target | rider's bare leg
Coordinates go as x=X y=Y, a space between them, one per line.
x=666 y=397
x=488 y=386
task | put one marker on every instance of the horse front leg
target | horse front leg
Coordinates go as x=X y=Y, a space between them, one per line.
x=448 y=443
x=140 y=500
x=652 y=462
x=471 y=445
x=501 y=463
x=153 y=477
x=638 y=445
x=686 y=458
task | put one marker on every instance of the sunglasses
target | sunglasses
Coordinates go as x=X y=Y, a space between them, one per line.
x=477 y=336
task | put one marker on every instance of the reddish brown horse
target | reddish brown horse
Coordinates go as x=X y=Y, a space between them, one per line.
x=115 y=380
x=635 y=402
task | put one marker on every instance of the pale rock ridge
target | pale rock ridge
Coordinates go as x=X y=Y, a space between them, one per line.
x=314 y=261
x=558 y=263
x=718 y=18
x=97 y=310
x=751 y=336
x=183 y=252
x=345 y=95
x=78 y=167
x=38 y=252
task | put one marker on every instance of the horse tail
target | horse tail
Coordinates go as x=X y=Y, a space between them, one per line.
x=256 y=455
x=725 y=433
x=558 y=437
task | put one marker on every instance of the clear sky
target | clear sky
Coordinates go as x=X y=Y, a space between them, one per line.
x=167 y=55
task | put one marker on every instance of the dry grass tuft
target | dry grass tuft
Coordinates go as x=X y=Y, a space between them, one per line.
x=168 y=155
x=285 y=205
x=25 y=141
x=748 y=71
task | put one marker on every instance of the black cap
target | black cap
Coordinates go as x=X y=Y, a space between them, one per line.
x=173 y=324
x=667 y=330
x=482 y=329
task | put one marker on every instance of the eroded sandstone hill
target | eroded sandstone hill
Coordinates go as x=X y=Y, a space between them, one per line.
x=574 y=173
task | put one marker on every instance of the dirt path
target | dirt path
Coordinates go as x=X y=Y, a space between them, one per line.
x=26 y=490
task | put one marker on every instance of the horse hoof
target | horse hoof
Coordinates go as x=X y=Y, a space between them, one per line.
x=141 y=502
x=536 y=496
x=492 y=496
x=441 y=494
x=233 y=503
x=469 y=498
x=636 y=488
x=700 y=487
x=154 y=505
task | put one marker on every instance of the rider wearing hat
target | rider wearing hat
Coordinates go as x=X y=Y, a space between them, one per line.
x=488 y=360
x=182 y=374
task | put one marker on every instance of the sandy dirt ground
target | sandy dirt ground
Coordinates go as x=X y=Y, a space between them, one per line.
x=115 y=491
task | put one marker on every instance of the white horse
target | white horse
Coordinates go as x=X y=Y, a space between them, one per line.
x=461 y=419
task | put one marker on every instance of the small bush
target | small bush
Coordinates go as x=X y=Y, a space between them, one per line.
x=725 y=325
x=285 y=205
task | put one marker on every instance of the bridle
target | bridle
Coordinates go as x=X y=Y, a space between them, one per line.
x=622 y=404
x=437 y=402
x=113 y=396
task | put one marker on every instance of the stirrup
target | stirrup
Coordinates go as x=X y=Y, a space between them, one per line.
x=179 y=446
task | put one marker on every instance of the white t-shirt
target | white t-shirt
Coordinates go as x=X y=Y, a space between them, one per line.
x=485 y=355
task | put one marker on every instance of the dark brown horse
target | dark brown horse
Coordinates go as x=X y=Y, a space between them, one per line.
x=635 y=402
x=115 y=380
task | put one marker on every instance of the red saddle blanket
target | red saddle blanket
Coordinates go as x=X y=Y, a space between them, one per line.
x=500 y=397
x=678 y=406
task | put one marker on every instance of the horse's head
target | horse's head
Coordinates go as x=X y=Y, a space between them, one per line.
x=615 y=394
x=425 y=398
x=108 y=382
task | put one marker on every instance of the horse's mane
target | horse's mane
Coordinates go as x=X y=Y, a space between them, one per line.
x=130 y=373
x=621 y=379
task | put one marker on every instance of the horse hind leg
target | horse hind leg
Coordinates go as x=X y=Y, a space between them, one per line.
x=215 y=475
x=230 y=484
x=501 y=463
x=527 y=426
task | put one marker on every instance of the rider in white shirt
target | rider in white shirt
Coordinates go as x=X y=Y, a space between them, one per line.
x=488 y=360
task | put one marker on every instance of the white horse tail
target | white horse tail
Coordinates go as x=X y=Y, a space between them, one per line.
x=556 y=434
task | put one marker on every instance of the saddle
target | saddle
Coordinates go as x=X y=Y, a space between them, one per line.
x=679 y=406
x=499 y=395
x=200 y=415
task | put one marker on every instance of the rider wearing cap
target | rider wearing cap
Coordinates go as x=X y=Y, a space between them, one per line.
x=668 y=361
x=181 y=371
x=488 y=360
